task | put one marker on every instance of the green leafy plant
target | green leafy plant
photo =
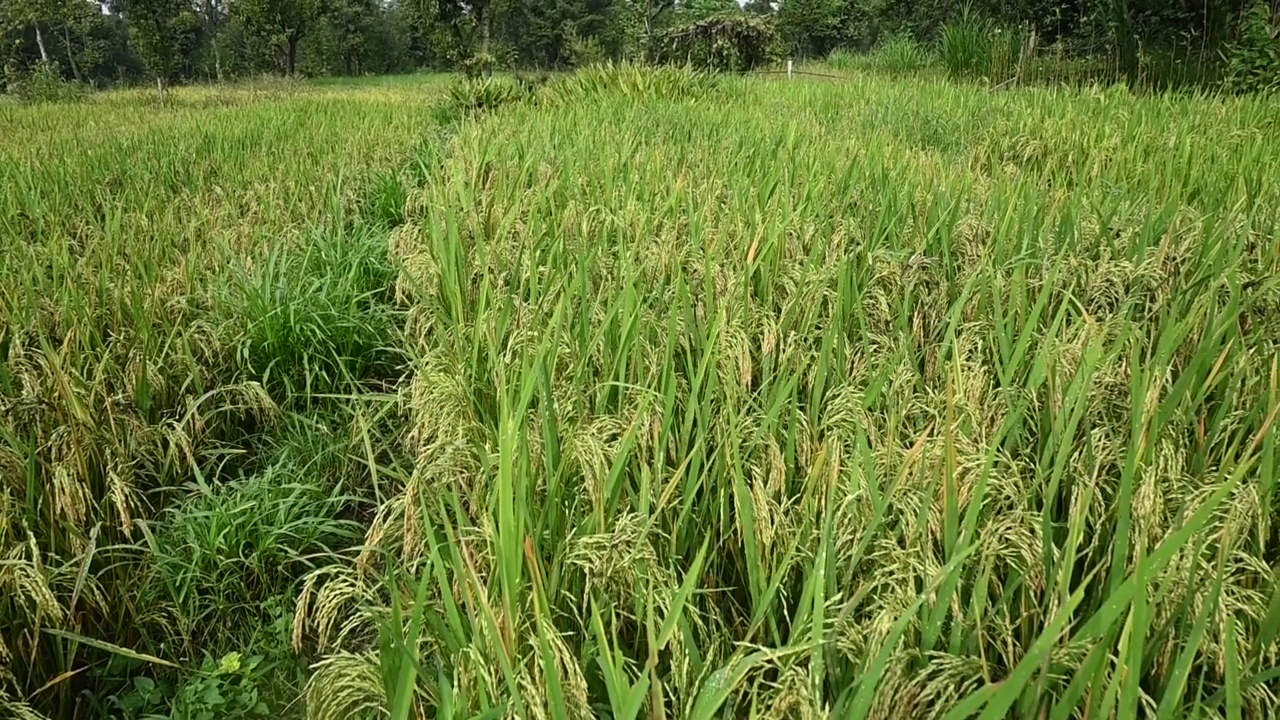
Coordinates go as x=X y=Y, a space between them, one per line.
x=1253 y=61
x=479 y=66
x=583 y=51
x=42 y=83
x=725 y=42
x=226 y=688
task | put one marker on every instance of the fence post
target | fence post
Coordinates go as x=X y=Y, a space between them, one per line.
x=790 y=67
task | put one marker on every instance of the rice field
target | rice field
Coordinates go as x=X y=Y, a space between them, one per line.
x=650 y=396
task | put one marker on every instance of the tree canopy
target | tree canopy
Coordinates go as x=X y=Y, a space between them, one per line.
x=133 y=40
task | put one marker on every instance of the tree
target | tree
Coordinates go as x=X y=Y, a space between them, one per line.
x=699 y=9
x=280 y=23
x=431 y=38
x=166 y=34
x=41 y=15
x=556 y=33
x=812 y=27
x=759 y=7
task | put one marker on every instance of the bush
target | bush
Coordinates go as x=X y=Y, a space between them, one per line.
x=731 y=42
x=480 y=65
x=1253 y=62
x=582 y=51
x=43 y=83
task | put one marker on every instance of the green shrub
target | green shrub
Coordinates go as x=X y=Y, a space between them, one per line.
x=1253 y=62
x=727 y=43
x=43 y=83
x=480 y=65
x=583 y=51
x=226 y=689
x=233 y=687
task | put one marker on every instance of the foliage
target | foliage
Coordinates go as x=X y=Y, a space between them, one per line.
x=165 y=33
x=728 y=42
x=478 y=95
x=282 y=24
x=42 y=84
x=1254 y=59
x=225 y=688
x=479 y=66
x=812 y=28
x=230 y=687
x=1156 y=43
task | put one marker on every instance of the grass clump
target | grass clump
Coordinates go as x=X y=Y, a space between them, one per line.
x=482 y=94
x=319 y=319
x=901 y=54
x=966 y=47
x=776 y=405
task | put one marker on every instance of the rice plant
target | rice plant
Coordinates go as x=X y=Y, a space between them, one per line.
x=174 y=279
x=657 y=395
x=770 y=402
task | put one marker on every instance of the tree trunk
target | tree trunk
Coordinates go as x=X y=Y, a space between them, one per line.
x=217 y=61
x=71 y=57
x=291 y=55
x=485 y=15
x=44 y=51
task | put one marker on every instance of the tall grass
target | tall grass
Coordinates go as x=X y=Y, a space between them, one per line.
x=899 y=54
x=180 y=283
x=775 y=402
x=967 y=48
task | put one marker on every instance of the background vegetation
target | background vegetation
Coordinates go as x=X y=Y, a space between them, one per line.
x=1178 y=42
